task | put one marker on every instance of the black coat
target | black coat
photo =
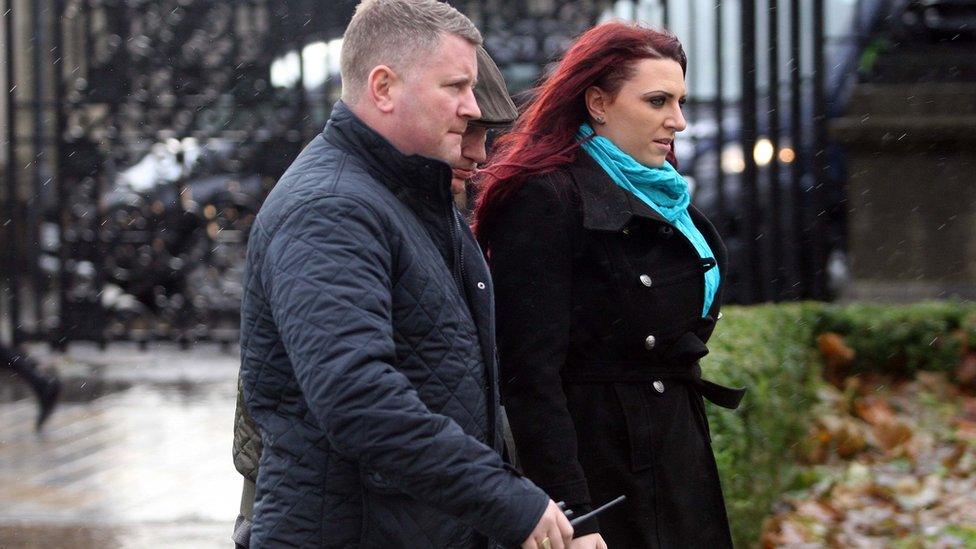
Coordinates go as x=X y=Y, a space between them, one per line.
x=600 y=330
x=367 y=358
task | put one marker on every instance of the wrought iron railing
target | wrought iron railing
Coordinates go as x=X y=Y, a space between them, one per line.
x=95 y=251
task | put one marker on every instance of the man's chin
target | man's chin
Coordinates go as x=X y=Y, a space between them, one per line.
x=457 y=186
x=450 y=149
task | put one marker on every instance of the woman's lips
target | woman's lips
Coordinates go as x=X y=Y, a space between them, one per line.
x=663 y=145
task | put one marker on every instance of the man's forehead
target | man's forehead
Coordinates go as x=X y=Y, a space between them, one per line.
x=454 y=54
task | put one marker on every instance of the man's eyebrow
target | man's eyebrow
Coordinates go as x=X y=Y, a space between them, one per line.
x=457 y=79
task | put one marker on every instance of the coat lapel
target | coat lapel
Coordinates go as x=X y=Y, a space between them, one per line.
x=610 y=208
x=606 y=206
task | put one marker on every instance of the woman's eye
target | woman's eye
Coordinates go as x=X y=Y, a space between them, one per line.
x=657 y=101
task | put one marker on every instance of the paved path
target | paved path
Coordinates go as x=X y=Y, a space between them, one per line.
x=147 y=464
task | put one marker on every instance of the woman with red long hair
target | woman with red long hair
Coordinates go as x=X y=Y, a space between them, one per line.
x=608 y=285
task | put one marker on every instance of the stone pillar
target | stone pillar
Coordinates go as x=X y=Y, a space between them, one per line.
x=911 y=152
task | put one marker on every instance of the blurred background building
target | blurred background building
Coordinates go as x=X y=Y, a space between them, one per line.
x=830 y=140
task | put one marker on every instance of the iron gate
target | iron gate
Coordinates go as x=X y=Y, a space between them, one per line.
x=97 y=88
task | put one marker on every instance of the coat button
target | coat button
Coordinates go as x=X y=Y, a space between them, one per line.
x=377 y=478
x=645 y=280
x=659 y=386
x=481 y=285
x=666 y=231
x=649 y=342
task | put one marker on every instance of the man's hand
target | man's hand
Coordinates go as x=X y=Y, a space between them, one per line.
x=553 y=526
x=589 y=541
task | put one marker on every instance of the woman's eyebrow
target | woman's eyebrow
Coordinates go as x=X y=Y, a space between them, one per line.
x=666 y=93
x=662 y=92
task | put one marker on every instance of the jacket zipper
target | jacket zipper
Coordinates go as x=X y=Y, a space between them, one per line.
x=489 y=370
x=456 y=244
x=460 y=247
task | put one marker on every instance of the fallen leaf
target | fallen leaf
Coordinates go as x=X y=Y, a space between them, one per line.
x=965 y=372
x=838 y=356
x=892 y=433
x=925 y=496
x=817 y=511
x=965 y=429
x=874 y=410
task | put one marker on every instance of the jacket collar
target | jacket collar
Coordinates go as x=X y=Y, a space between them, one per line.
x=414 y=174
x=606 y=206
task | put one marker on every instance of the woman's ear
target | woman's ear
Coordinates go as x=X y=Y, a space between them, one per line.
x=381 y=86
x=596 y=104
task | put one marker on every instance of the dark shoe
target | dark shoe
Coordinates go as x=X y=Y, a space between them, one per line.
x=47 y=399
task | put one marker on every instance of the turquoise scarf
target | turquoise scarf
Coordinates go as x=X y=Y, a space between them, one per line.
x=663 y=189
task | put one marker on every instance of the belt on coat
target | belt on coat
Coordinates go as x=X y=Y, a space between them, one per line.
x=679 y=362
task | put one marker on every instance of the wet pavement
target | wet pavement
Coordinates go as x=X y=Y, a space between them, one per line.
x=138 y=454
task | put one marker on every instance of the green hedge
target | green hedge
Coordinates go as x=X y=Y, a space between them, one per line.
x=768 y=350
x=902 y=339
x=771 y=349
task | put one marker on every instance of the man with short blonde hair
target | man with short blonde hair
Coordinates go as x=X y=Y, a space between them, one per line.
x=367 y=327
x=398 y=34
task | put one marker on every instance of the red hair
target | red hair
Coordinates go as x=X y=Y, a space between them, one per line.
x=544 y=136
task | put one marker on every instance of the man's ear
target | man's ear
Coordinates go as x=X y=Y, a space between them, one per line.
x=597 y=101
x=382 y=86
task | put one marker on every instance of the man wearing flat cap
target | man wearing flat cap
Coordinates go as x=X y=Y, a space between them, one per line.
x=497 y=112
x=367 y=328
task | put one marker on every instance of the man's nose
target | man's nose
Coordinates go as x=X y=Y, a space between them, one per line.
x=469 y=106
x=476 y=151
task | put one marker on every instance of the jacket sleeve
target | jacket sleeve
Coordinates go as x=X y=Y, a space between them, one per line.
x=328 y=276
x=247 y=440
x=531 y=262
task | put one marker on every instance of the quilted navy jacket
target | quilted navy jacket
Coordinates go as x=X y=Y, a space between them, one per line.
x=368 y=358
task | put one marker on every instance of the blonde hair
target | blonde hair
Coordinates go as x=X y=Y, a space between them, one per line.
x=396 y=33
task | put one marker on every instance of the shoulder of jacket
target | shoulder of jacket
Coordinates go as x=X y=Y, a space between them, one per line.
x=333 y=176
x=557 y=185
x=335 y=207
x=550 y=197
